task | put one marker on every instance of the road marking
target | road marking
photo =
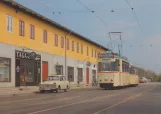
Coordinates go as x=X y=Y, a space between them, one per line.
x=57 y=100
x=28 y=99
x=85 y=101
x=125 y=100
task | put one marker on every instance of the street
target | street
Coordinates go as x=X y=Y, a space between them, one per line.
x=144 y=99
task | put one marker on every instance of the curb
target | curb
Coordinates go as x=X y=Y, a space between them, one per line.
x=34 y=92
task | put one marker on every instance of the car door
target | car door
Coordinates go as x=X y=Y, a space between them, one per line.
x=62 y=82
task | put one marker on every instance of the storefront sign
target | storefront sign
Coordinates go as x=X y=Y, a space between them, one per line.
x=27 y=55
x=88 y=63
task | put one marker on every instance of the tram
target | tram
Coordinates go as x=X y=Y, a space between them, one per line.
x=134 y=78
x=113 y=71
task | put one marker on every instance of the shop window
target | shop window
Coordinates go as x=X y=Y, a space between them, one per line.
x=59 y=69
x=5 y=69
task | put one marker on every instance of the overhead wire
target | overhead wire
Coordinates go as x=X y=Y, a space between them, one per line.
x=93 y=12
x=132 y=9
x=99 y=10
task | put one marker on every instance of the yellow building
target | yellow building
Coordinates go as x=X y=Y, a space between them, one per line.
x=33 y=47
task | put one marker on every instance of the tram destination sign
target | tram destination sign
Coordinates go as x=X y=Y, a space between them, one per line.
x=27 y=55
x=107 y=55
x=110 y=55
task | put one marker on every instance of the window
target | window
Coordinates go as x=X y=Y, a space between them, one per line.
x=94 y=79
x=62 y=78
x=59 y=70
x=98 y=54
x=67 y=44
x=9 y=23
x=32 y=31
x=77 y=47
x=87 y=51
x=70 y=74
x=62 y=42
x=125 y=66
x=95 y=53
x=108 y=66
x=22 y=28
x=81 y=48
x=80 y=74
x=5 y=69
x=92 y=52
x=72 y=45
x=51 y=78
x=45 y=36
x=56 y=40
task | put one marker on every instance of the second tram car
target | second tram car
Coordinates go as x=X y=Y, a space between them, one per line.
x=133 y=74
x=113 y=71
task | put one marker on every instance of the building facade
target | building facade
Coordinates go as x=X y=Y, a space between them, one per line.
x=33 y=47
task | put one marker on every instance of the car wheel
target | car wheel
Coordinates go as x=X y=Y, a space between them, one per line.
x=65 y=90
x=42 y=91
x=51 y=91
x=59 y=88
x=67 y=87
x=56 y=90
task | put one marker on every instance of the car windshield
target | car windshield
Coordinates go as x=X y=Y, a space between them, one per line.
x=50 y=78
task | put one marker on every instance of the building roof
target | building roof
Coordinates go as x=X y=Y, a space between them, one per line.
x=28 y=11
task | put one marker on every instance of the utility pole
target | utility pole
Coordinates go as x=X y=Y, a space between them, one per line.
x=65 y=57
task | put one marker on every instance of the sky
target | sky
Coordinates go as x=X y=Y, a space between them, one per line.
x=141 y=30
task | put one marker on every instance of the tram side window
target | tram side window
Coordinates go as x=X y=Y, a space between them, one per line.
x=125 y=67
x=133 y=71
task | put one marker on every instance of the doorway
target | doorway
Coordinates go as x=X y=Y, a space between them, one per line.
x=44 y=70
x=87 y=76
x=71 y=74
x=27 y=72
x=94 y=80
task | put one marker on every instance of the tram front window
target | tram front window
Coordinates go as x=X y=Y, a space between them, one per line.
x=111 y=66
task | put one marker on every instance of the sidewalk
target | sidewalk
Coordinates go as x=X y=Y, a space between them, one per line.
x=17 y=91
x=23 y=91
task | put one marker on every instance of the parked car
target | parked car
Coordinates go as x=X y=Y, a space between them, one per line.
x=54 y=83
x=143 y=80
